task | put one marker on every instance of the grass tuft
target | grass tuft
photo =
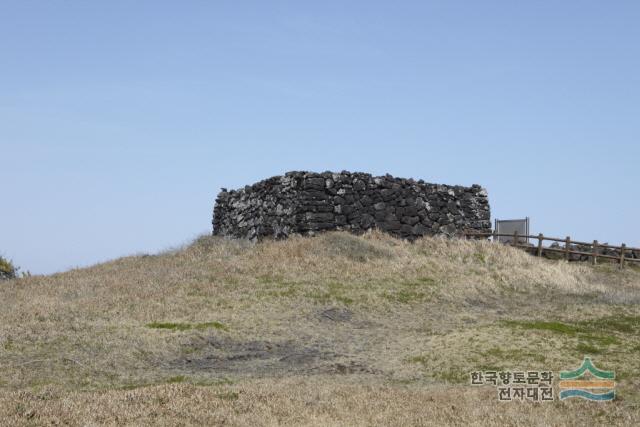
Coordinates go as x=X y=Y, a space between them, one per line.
x=7 y=269
x=557 y=327
x=187 y=326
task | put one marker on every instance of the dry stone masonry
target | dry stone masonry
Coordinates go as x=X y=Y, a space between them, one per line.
x=306 y=203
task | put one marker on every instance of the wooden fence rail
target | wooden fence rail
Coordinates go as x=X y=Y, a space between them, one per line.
x=624 y=254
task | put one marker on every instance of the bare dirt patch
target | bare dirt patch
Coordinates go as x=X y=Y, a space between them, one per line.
x=259 y=358
x=336 y=314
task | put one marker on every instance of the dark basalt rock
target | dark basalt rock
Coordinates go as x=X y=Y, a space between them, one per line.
x=307 y=202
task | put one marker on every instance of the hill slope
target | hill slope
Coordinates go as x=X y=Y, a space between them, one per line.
x=325 y=330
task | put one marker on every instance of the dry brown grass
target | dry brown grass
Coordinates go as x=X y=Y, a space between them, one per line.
x=335 y=329
x=297 y=401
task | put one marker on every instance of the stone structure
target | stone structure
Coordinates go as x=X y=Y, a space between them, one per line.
x=305 y=203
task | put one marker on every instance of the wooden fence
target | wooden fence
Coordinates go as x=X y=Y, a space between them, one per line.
x=622 y=254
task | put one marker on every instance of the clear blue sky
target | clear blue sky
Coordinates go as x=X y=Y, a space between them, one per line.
x=120 y=120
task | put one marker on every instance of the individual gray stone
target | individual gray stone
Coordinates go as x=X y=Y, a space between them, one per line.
x=419 y=230
x=405 y=229
x=411 y=220
x=317 y=183
x=319 y=217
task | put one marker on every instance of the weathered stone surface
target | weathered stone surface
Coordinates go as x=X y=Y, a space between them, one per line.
x=306 y=202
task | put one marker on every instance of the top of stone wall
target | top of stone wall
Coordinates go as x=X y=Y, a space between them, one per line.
x=382 y=180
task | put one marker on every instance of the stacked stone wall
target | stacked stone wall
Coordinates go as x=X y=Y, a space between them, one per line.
x=307 y=202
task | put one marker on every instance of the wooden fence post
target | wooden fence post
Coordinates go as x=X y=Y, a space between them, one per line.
x=622 y=250
x=595 y=252
x=515 y=238
x=540 y=239
x=567 y=243
x=493 y=238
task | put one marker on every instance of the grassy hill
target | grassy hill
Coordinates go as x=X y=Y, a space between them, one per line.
x=335 y=329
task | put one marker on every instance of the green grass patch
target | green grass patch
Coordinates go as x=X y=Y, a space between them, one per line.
x=583 y=348
x=622 y=324
x=170 y=326
x=276 y=287
x=405 y=296
x=557 y=327
x=451 y=376
x=285 y=293
x=8 y=344
x=211 y=325
x=268 y=279
x=417 y=290
x=421 y=282
x=134 y=386
x=212 y=382
x=604 y=340
x=598 y=329
x=177 y=379
x=187 y=326
x=334 y=292
x=418 y=359
x=595 y=335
